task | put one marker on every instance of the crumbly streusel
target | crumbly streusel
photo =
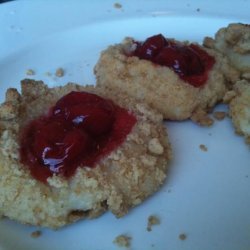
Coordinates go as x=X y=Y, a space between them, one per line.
x=239 y=109
x=234 y=42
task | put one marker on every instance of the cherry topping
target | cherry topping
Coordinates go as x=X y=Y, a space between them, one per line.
x=190 y=62
x=95 y=116
x=151 y=47
x=80 y=129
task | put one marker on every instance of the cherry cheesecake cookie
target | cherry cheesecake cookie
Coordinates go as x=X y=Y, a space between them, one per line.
x=181 y=80
x=72 y=152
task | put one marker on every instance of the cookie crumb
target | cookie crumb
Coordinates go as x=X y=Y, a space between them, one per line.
x=122 y=241
x=36 y=234
x=229 y=96
x=206 y=122
x=202 y=119
x=203 y=147
x=182 y=236
x=219 y=115
x=30 y=72
x=152 y=221
x=155 y=147
x=117 y=5
x=60 y=72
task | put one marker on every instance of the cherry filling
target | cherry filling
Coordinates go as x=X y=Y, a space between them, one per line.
x=80 y=129
x=190 y=62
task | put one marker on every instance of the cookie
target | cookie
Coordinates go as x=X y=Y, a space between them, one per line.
x=180 y=80
x=234 y=42
x=38 y=189
x=239 y=108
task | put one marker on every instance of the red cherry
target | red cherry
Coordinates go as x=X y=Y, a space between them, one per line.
x=75 y=97
x=76 y=142
x=151 y=47
x=47 y=134
x=96 y=119
x=173 y=58
x=194 y=62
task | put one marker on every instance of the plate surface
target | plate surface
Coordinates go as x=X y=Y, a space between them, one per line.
x=206 y=196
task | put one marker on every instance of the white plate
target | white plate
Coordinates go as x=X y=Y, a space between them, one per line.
x=206 y=195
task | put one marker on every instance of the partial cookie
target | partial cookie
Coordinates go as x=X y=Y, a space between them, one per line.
x=240 y=109
x=234 y=42
x=189 y=86
x=118 y=181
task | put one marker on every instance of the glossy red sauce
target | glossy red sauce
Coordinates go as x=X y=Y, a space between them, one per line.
x=190 y=62
x=80 y=129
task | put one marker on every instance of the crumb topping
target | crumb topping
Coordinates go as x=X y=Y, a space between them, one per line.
x=233 y=41
x=155 y=147
x=229 y=96
x=239 y=109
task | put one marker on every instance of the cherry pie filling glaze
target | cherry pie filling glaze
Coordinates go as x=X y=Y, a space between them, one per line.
x=79 y=130
x=190 y=62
